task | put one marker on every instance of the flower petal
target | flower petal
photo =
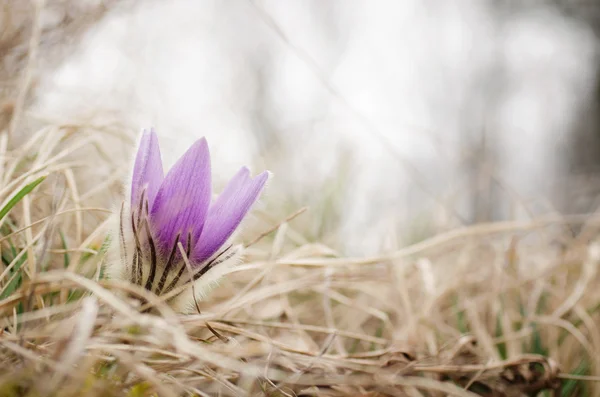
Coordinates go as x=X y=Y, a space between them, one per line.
x=182 y=201
x=225 y=215
x=148 y=170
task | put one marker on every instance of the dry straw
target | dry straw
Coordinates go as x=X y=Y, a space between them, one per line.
x=501 y=309
x=301 y=321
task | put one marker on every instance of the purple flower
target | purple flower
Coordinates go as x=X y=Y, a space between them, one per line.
x=177 y=207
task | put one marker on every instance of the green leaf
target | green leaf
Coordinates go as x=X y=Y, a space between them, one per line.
x=502 y=350
x=15 y=281
x=572 y=387
x=16 y=275
x=75 y=295
x=537 y=344
x=63 y=241
x=19 y=196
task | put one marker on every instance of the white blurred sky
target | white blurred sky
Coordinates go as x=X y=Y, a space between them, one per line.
x=392 y=82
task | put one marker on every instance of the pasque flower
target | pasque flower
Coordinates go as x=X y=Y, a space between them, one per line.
x=173 y=218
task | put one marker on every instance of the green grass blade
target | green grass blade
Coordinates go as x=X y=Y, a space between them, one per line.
x=572 y=387
x=63 y=241
x=502 y=349
x=14 y=281
x=15 y=275
x=19 y=196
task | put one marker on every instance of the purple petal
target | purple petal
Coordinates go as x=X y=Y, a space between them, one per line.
x=182 y=201
x=225 y=215
x=148 y=170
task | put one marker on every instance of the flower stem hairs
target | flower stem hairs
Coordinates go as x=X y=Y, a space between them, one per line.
x=171 y=233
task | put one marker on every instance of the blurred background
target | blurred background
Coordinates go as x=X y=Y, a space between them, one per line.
x=390 y=120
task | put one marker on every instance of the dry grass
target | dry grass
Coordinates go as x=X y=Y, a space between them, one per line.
x=505 y=308
x=502 y=309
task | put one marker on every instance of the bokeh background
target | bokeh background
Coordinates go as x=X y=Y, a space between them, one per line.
x=390 y=120
x=448 y=153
